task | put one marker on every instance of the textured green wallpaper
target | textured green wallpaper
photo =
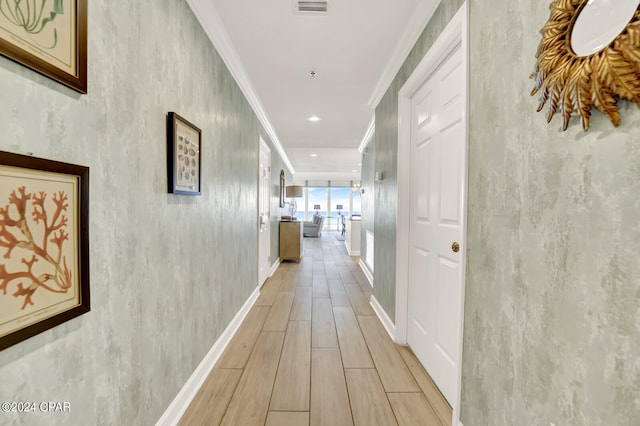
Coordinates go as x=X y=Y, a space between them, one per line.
x=553 y=275
x=552 y=312
x=386 y=161
x=168 y=272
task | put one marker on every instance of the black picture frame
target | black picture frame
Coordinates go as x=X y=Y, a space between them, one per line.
x=184 y=156
x=44 y=245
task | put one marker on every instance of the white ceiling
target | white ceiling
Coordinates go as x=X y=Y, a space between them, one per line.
x=355 y=49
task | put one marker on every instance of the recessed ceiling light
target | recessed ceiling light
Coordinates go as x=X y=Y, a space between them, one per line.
x=313 y=73
x=354 y=171
x=314 y=155
x=359 y=164
x=314 y=118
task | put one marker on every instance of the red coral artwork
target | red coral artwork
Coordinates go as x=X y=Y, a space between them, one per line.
x=18 y=218
x=44 y=245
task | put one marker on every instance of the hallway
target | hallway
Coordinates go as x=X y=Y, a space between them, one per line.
x=312 y=352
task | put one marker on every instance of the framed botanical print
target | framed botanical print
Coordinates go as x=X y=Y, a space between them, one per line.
x=44 y=245
x=48 y=36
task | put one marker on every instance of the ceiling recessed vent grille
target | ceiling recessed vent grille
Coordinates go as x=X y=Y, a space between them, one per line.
x=312 y=6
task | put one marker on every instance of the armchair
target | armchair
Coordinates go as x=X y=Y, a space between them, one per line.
x=313 y=228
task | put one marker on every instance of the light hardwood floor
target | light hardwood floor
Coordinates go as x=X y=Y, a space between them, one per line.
x=312 y=352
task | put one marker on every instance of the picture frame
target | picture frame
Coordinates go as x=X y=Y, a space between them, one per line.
x=184 y=158
x=44 y=245
x=48 y=37
x=282 y=188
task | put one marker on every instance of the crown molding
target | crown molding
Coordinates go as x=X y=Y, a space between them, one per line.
x=419 y=20
x=213 y=26
x=368 y=135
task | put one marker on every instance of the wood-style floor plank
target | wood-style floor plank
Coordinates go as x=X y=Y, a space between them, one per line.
x=329 y=396
x=265 y=377
x=279 y=314
x=301 y=308
x=394 y=373
x=338 y=294
x=289 y=281
x=268 y=292
x=250 y=402
x=287 y=418
x=331 y=272
x=320 y=287
x=412 y=409
x=353 y=348
x=292 y=385
x=240 y=347
x=323 y=326
x=211 y=401
x=345 y=275
x=430 y=390
x=304 y=279
x=369 y=402
x=359 y=301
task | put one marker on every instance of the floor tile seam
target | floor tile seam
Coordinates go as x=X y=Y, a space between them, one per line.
x=361 y=334
x=344 y=376
x=429 y=401
x=233 y=394
x=253 y=345
x=244 y=371
x=275 y=376
x=383 y=390
x=415 y=379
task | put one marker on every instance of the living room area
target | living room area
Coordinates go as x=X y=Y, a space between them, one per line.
x=329 y=207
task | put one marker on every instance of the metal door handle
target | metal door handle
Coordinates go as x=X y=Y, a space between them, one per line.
x=455 y=247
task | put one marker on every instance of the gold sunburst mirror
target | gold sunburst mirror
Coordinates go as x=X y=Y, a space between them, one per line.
x=589 y=56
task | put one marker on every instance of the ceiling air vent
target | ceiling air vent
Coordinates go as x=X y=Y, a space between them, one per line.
x=312 y=6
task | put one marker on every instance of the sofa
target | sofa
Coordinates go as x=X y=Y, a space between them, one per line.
x=313 y=228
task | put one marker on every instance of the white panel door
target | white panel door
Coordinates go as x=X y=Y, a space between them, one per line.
x=264 y=212
x=438 y=162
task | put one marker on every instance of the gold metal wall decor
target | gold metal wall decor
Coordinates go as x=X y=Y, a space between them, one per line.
x=570 y=82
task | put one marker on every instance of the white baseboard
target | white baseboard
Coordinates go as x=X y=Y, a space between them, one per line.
x=384 y=318
x=367 y=273
x=351 y=252
x=182 y=400
x=274 y=267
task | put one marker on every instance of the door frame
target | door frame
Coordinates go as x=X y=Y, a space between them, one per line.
x=262 y=145
x=455 y=33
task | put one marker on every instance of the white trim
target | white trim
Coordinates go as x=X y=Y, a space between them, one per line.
x=367 y=273
x=351 y=253
x=419 y=20
x=263 y=146
x=274 y=268
x=456 y=32
x=181 y=402
x=368 y=135
x=383 y=317
x=209 y=19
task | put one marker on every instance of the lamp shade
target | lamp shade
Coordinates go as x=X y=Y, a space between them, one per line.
x=316 y=206
x=339 y=207
x=294 y=191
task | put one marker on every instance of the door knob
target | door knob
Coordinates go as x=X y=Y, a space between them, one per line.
x=455 y=247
